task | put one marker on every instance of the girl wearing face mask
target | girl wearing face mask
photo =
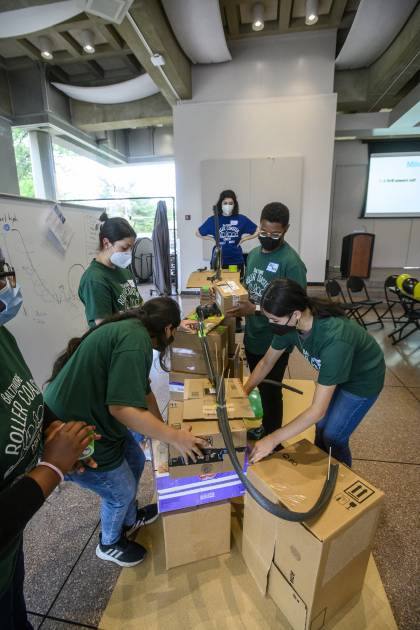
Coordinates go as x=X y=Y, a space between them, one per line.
x=105 y=375
x=107 y=286
x=350 y=363
x=234 y=229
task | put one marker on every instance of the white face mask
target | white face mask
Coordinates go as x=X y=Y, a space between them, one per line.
x=121 y=259
x=227 y=209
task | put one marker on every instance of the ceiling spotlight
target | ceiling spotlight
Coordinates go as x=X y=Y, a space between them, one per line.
x=311 y=12
x=157 y=59
x=45 y=46
x=258 y=16
x=86 y=38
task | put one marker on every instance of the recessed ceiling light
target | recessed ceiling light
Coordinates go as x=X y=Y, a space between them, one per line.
x=45 y=47
x=87 y=42
x=311 y=12
x=258 y=16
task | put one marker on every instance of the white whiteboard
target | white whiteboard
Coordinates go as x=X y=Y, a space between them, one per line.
x=52 y=312
x=256 y=182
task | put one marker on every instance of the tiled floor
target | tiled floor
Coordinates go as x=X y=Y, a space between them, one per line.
x=67 y=587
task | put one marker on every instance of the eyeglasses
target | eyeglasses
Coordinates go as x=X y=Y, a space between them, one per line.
x=276 y=236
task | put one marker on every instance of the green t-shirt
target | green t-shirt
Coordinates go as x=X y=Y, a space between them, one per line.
x=21 y=418
x=343 y=353
x=261 y=269
x=107 y=290
x=110 y=367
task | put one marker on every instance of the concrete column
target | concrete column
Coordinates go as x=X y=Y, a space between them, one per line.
x=43 y=169
x=9 y=183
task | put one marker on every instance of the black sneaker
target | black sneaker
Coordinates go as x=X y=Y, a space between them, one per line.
x=145 y=516
x=124 y=552
x=256 y=434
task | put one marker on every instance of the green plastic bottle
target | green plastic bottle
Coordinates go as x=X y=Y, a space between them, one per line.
x=255 y=402
x=89 y=450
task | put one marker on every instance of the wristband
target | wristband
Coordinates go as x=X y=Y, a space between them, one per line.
x=257 y=309
x=54 y=468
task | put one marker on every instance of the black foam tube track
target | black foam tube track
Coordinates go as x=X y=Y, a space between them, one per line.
x=223 y=421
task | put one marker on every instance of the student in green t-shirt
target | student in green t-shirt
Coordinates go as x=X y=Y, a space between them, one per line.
x=107 y=286
x=103 y=377
x=273 y=259
x=28 y=434
x=350 y=363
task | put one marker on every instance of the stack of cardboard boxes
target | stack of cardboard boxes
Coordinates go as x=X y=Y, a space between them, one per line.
x=194 y=496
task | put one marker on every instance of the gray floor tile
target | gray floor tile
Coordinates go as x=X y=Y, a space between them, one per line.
x=88 y=589
x=415 y=391
x=54 y=624
x=53 y=541
x=35 y=620
x=391 y=380
x=391 y=429
x=397 y=540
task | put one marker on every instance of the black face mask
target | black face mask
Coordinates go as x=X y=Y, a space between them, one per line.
x=270 y=244
x=282 y=329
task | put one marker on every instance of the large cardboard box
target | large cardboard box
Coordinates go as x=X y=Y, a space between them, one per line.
x=196 y=533
x=187 y=355
x=215 y=457
x=200 y=400
x=229 y=293
x=309 y=569
x=200 y=279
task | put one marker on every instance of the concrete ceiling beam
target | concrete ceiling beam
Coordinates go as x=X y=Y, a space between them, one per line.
x=146 y=31
x=150 y=111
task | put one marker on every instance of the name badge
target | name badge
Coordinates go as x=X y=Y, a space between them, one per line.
x=272 y=267
x=234 y=222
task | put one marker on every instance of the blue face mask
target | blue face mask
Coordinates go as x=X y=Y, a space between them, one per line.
x=12 y=299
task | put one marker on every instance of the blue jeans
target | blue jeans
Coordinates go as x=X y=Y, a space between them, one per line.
x=117 y=489
x=343 y=415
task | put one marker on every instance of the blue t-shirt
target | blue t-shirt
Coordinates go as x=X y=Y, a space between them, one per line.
x=231 y=230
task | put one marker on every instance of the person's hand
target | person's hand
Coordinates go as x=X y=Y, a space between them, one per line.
x=262 y=448
x=188 y=325
x=188 y=445
x=245 y=307
x=66 y=442
x=79 y=466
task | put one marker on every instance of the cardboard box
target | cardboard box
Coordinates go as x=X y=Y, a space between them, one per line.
x=229 y=293
x=200 y=400
x=195 y=534
x=200 y=279
x=176 y=384
x=175 y=493
x=187 y=355
x=309 y=569
x=215 y=457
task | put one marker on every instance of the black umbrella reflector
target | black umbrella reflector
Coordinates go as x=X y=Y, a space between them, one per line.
x=142 y=260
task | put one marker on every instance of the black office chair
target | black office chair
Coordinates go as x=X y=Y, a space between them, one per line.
x=335 y=294
x=392 y=299
x=356 y=286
